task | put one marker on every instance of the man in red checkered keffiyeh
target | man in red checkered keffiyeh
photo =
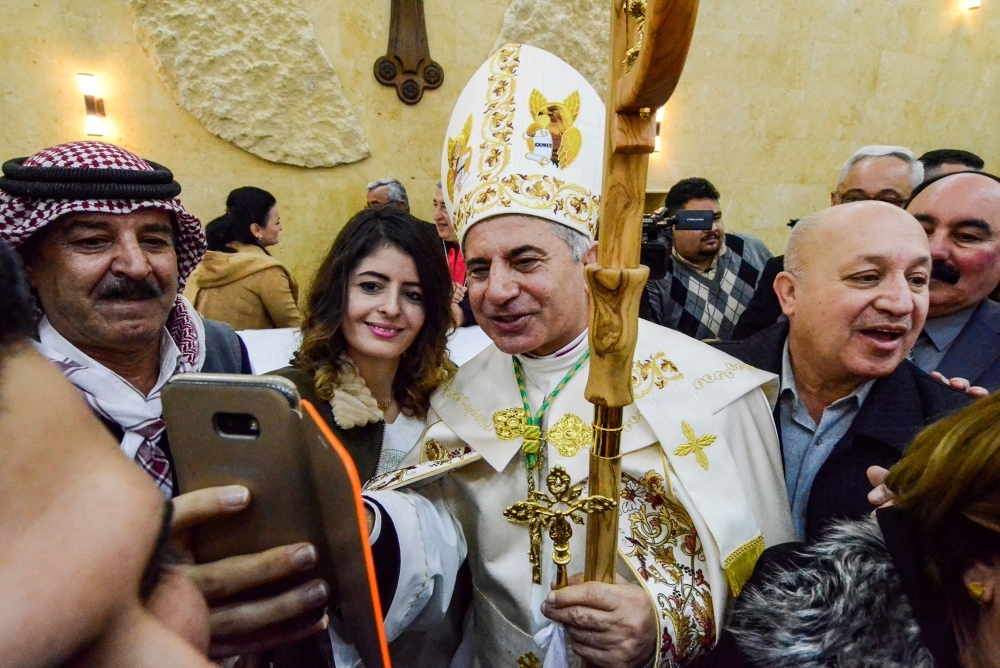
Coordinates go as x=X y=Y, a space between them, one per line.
x=108 y=246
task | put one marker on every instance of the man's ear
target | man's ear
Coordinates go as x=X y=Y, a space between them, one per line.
x=785 y=286
x=590 y=257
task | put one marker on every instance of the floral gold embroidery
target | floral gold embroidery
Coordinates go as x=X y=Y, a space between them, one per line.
x=695 y=445
x=728 y=372
x=569 y=435
x=664 y=548
x=535 y=191
x=632 y=421
x=509 y=423
x=434 y=451
x=656 y=372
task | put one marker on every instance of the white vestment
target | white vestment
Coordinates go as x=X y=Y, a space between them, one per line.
x=702 y=493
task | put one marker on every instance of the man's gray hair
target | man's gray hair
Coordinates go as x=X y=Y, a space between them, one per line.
x=901 y=152
x=578 y=242
x=396 y=192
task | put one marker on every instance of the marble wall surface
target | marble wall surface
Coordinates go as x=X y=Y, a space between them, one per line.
x=775 y=96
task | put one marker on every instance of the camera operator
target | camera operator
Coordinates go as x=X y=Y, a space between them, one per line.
x=710 y=276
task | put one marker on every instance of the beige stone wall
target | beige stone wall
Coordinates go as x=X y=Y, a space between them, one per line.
x=44 y=43
x=776 y=95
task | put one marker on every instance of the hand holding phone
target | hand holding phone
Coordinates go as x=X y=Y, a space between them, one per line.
x=258 y=624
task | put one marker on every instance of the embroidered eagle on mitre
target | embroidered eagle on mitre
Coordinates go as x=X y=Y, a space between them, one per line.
x=459 y=157
x=551 y=136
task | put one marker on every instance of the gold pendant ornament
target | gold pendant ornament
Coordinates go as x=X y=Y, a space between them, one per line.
x=528 y=660
x=569 y=435
x=509 y=423
x=554 y=511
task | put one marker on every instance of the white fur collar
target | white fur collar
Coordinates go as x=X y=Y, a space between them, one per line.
x=353 y=403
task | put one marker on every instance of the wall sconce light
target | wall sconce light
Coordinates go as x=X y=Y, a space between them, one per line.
x=975 y=4
x=659 y=121
x=95 y=104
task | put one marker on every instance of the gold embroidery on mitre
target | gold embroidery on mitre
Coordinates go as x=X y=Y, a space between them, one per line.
x=656 y=372
x=459 y=157
x=695 y=445
x=551 y=137
x=728 y=372
x=498 y=119
x=569 y=435
x=572 y=202
x=509 y=423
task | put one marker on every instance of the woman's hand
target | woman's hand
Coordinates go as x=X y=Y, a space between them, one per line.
x=251 y=626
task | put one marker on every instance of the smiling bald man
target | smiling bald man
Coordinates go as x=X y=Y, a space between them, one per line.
x=856 y=294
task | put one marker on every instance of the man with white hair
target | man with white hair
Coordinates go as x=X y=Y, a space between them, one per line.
x=883 y=173
x=701 y=489
x=383 y=192
x=856 y=289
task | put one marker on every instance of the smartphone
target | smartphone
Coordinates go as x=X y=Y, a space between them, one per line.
x=254 y=431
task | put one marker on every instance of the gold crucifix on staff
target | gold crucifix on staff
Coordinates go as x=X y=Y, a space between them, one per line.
x=554 y=511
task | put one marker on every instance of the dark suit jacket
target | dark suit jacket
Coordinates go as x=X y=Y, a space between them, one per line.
x=897 y=407
x=975 y=354
x=764 y=308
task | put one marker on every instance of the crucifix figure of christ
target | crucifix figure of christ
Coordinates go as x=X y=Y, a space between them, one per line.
x=407 y=64
x=554 y=511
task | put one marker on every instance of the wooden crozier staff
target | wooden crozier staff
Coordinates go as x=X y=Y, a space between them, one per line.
x=649 y=43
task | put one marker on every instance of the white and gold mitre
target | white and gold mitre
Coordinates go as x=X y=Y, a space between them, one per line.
x=526 y=137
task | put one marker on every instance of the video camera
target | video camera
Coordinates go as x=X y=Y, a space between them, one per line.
x=658 y=236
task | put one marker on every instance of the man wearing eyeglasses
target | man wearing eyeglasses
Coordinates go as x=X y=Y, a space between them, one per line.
x=712 y=275
x=884 y=173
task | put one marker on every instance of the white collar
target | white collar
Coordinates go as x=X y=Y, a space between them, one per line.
x=170 y=354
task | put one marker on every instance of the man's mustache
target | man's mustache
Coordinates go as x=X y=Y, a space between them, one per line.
x=128 y=288
x=945 y=272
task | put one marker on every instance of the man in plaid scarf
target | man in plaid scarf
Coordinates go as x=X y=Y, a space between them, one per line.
x=107 y=247
x=712 y=274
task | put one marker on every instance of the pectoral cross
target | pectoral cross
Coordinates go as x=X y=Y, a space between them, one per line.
x=407 y=64
x=554 y=511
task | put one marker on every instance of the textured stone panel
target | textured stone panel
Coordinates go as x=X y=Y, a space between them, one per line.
x=253 y=74
x=575 y=30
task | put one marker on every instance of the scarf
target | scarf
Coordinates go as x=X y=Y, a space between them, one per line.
x=114 y=399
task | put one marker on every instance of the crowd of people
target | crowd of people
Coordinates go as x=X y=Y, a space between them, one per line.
x=778 y=402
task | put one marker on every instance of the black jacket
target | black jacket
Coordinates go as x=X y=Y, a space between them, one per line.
x=975 y=354
x=764 y=308
x=896 y=409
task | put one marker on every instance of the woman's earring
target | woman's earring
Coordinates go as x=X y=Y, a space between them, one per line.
x=976 y=592
x=260 y=239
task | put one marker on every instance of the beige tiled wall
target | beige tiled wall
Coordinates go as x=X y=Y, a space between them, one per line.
x=775 y=96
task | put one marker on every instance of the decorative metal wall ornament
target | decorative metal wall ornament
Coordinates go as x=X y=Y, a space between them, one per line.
x=407 y=64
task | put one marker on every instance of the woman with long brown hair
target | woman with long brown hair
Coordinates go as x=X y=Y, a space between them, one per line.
x=374 y=339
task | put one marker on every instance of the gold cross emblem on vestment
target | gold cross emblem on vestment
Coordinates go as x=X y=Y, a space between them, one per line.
x=554 y=511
